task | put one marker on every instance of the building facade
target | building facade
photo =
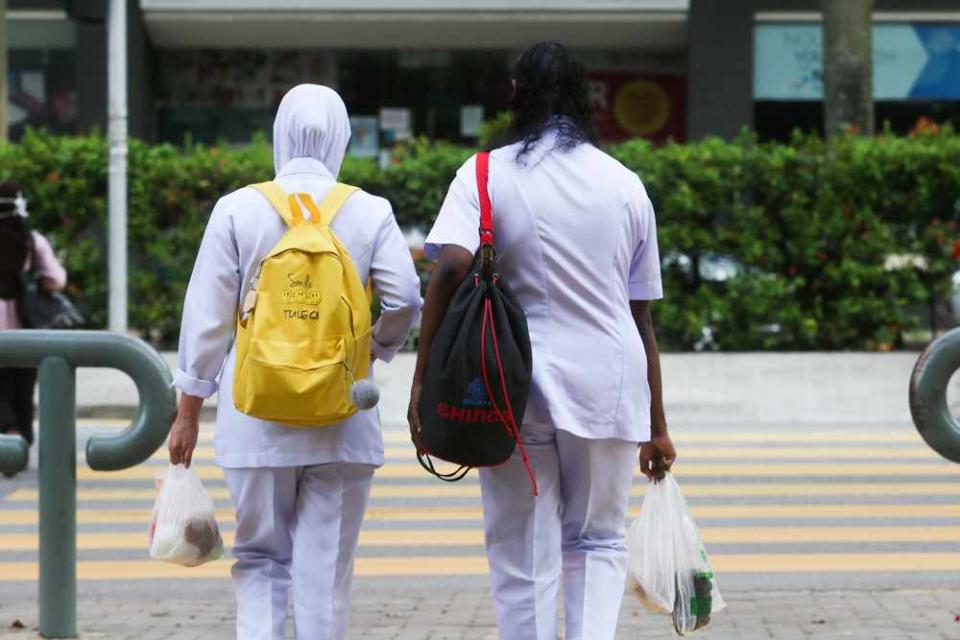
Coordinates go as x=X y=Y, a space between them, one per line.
x=659 y=69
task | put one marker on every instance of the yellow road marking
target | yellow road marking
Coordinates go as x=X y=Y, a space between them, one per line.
x=834 y=435
x=84 y=516
x=813 y=535
x=816 y=489
x=729 y=436
x=834 y=562
x=712 y=470
x=826 y=452
x=441 y=514
x=119 y=570
x=474 y=537
x=472 y=490
x=477 y=565
x=897 y=511
x=896 y=466
x=922 y=453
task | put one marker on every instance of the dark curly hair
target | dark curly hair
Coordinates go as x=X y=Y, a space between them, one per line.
x=550 y=87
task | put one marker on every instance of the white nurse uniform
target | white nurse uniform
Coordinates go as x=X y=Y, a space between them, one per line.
x=300 y=494
x=576 y=238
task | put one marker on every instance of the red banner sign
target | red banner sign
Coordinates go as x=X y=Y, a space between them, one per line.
x=630 y=105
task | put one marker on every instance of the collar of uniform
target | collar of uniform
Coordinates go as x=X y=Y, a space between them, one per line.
x=304 y=166
x=546 y=144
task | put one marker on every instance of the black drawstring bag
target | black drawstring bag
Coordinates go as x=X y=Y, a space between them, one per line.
x=478 y=376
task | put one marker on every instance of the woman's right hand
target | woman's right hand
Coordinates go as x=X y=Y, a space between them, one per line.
x=657 y=456
x=183 y=440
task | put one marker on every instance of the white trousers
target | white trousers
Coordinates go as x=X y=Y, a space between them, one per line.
x=574 y=529
x=296 y=526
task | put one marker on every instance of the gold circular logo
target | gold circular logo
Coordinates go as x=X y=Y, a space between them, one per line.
x=641 y=107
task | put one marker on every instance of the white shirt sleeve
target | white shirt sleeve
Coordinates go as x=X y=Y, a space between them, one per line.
x=210 y=308
x=645 y=279
x=396 y=281
x=458 y=222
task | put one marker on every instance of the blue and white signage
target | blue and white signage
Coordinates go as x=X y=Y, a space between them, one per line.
x=910 y=62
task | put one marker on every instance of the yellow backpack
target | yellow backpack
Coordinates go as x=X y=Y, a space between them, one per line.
x=303 y=333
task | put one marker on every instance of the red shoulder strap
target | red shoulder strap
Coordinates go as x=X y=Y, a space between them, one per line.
x=486 y=209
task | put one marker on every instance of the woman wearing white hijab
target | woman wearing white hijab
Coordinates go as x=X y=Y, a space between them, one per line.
x=300 y=494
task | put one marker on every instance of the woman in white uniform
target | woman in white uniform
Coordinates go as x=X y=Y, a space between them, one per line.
x=300 y=494
x=576 y=239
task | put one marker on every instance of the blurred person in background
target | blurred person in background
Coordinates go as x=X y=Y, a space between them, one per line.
x=22 y=251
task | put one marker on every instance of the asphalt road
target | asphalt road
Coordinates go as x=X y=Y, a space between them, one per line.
x=779 y=506
x=788 y=510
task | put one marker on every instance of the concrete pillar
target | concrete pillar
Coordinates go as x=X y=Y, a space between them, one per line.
x=91 y=69
x=848 y=66
x=140 y=76
x=91 y=64
x=4 y=99
x=720 y=68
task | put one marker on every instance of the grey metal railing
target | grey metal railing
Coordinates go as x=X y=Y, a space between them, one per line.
x=57 y=354
x=928 y=395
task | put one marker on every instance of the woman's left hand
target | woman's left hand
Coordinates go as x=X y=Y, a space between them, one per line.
x=413 y=416
x=657 y=456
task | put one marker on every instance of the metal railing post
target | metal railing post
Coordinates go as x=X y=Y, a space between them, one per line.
x=14 y=453
x=57 y=354
x=928 y=395
x=58 y=499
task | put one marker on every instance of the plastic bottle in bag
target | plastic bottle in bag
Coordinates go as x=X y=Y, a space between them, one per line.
x=183 y=529
x=668 y=563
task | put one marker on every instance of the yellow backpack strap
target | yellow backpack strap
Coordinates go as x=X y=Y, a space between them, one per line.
x=328 y=210
x=277 y=197
x=334 y=201
x=296 y=199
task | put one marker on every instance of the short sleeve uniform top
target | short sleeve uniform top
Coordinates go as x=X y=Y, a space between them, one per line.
x=576 y=238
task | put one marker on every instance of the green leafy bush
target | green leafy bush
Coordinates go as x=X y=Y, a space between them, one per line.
x=812 y=226
x=805 y=245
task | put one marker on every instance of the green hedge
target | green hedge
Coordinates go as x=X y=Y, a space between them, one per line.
x=804 y=231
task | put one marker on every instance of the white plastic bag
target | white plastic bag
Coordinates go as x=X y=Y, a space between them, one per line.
x=183 y=529
x=669 y=566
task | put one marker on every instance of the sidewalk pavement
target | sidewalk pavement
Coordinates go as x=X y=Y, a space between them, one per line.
x=393 y=612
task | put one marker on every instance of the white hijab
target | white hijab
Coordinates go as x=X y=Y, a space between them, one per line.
x=312 y=122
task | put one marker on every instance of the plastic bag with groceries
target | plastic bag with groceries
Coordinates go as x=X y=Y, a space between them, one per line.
x=183 y=529
x=669 y=567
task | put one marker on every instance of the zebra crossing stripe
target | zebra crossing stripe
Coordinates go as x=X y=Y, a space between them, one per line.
x=378 y=538
x=472 y=490
x=422 y=566
x=456 y=513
